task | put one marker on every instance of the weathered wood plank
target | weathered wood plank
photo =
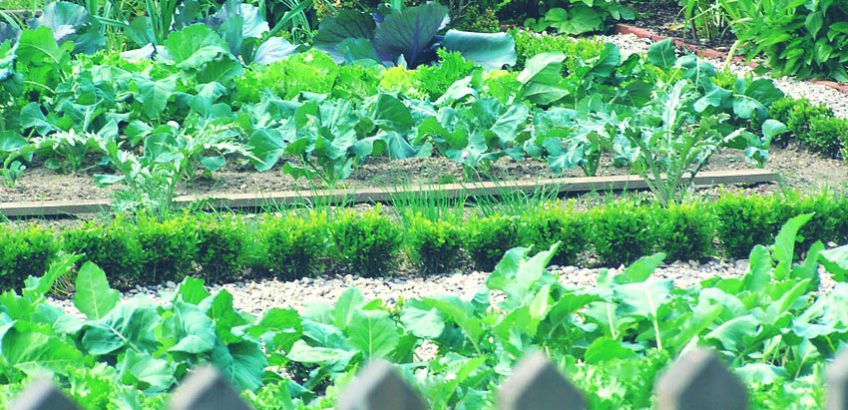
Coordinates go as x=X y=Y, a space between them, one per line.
x=42 y=394
x=379 y=387
x=206 y=389
x=536 y=384
x=700 y=381
x=363 y=195
x=837 y=383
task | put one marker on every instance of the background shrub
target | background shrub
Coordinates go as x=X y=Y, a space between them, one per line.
x=622 y=232
x=826 y=135
x=686 y=232
x=488 y=238
x=366 y=243
x=291 y=247
x=551 y=223
x=746 y=221
x=168 y=248
x=25 y=252
x=112 y=247
x=221 y=246
x=798 y=115
x=435 y=246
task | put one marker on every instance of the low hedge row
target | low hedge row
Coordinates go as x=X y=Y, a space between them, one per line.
x=145 y=250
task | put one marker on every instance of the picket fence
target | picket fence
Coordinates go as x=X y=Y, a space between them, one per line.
x=696 y=381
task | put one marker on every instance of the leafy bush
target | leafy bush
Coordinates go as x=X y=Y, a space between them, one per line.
x=25 y=252
x=434 y=245
x=803 y=38
x=434 y=80
x=291 y=247
x=826 y=135
x=745 y=221
x=168 y=247
x=548 y=224
x=576 y=51
x=488 y=237
x=578 y=17
x=622 y=231
x=366 y=243
x=797 y=115
x=221 y=247
x=113 y=247
x=685 y=232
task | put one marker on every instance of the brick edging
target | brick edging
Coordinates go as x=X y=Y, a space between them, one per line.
x=709 y=52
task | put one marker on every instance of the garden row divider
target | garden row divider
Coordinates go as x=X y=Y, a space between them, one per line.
x=706 y=52
x=372 y=195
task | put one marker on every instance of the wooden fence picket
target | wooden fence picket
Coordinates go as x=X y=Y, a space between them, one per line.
x=700 y=381
x=536 y=384
x=42 y=394
x=379 y=387
x=837 y=383
x=206 y=389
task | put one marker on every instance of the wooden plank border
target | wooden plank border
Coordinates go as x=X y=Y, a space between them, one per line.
x=372 y=195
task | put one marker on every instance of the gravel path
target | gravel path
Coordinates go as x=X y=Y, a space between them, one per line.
x=835 y=100
x=256 y=297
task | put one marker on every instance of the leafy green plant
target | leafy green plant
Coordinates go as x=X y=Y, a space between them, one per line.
x=798 y=115
x=528 y=44
x=799 y=38
x=434 y=81
x=408 y=37
x=578 y=17
x=826 y=136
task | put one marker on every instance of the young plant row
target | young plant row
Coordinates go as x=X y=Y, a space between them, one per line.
x=151 y=124
x=776 y=327
x=149 y=251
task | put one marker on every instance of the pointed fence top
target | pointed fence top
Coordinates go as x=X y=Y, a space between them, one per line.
x=537 y=384
x=837 y=382
x=379 y=386
x=206 y=389
x=42 y=394
x=700 y=381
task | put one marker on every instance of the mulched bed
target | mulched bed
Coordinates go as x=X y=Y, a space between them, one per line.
x=667 y=19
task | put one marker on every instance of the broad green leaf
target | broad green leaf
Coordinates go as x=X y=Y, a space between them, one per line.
x=304 y=353
x=603 y=349
x=373 y=332
x=836 y=262
x=784 y=245
x=662 y=54
x=733 y=334
x=348 y=304
x=94 y=298
x=192 y=329
x=426 y=324
x=491 y=50
x=191 y=290
x=33 y=353
x=130 y=323
x=640 y=270
x=283 y=325
x=146 y=372
x=242 y=363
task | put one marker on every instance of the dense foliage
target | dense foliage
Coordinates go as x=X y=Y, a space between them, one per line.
x=147 y=251
x=152 y=124
x=776 y=328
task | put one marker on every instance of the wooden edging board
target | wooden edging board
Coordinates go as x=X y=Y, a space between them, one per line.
x=709 y=52
x=372 y=195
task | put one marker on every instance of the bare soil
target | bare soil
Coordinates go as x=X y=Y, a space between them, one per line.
x=798 y=169
x=668 y=19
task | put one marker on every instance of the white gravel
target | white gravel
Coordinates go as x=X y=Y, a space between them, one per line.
x=256 y=297
x=818 y=94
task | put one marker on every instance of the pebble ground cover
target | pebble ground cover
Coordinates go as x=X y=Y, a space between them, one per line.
x=139 y=102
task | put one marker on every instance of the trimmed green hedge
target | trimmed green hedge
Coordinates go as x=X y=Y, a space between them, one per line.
x=144 y=250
